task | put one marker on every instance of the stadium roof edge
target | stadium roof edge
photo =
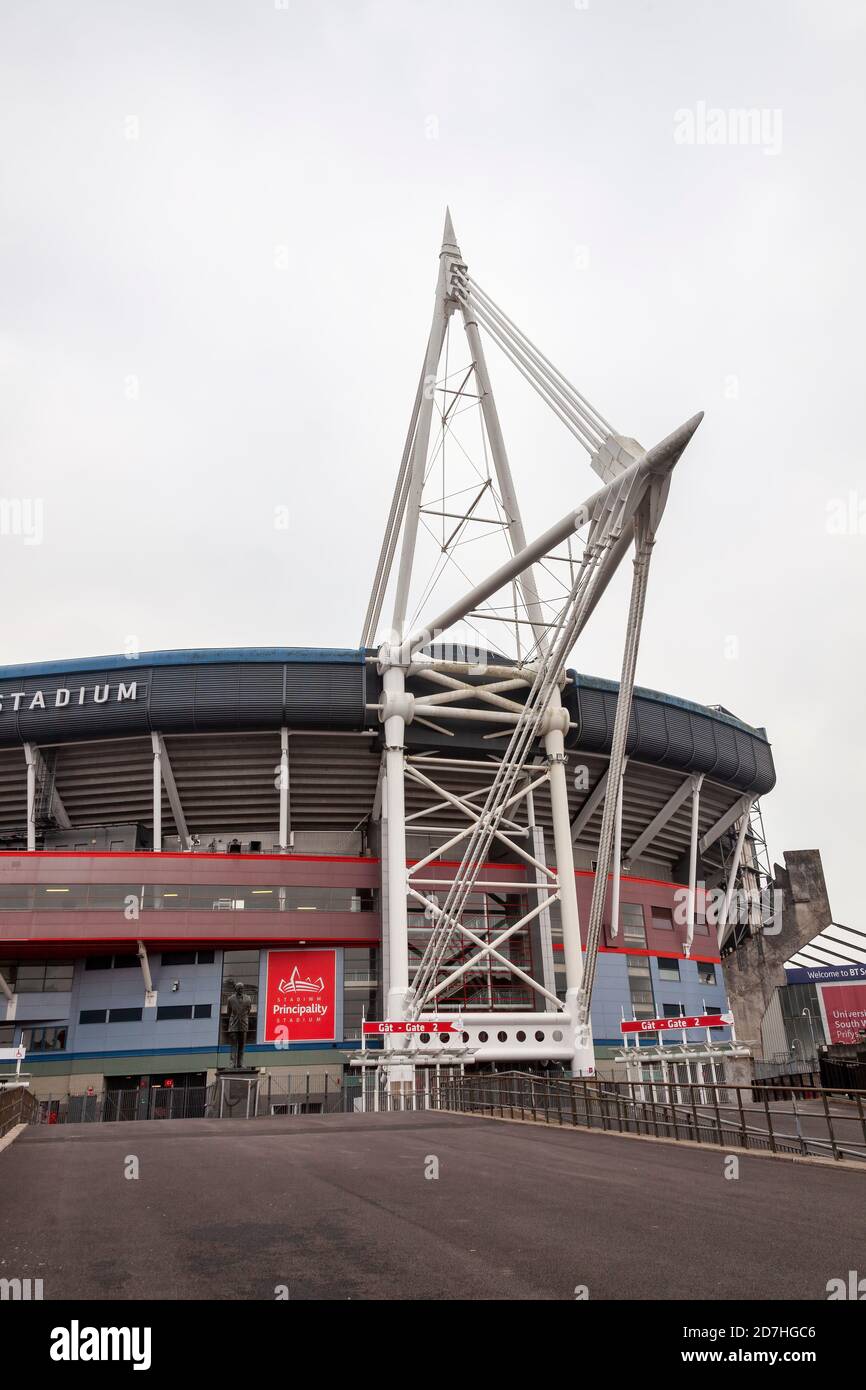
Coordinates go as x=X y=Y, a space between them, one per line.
x=186 y=656
x=182 y=656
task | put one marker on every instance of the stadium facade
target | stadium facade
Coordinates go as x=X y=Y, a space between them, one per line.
x=175 y=822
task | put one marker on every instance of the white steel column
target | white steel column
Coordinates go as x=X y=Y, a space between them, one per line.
x=732 y=876
x=422 y=433
x=397 y=705
x=284 y=790
x=157 y=792
x=526 y=581
x=556 y=723
x=30 y=755
x=617 y=859
x=542 y=927
x=693 y=862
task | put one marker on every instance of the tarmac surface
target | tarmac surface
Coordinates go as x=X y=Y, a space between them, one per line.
x=339 y=1207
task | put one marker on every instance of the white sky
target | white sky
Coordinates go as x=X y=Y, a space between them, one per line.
x=166 y=384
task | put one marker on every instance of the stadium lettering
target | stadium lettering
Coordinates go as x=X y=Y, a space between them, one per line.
x=15 y=700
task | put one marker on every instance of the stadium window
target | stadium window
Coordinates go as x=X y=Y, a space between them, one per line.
x=44 y=1039
x=662 y=919
x=124 y=1015
x=44 y=977
x=713 y=1009
x=98 y=962
x=706 y=972
x=169 y=1011
x=173 y=958
x=669 y=969
x=202 y=1010
x=92 y=1016
x=631 y=923
x=16 y=896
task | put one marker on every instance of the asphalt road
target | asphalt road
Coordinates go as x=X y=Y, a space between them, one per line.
x=338 y=1206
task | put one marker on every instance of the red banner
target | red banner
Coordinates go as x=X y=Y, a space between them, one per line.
x=845 y=1010
x=301 y=996
x=661 y=1025
x=419 y=1026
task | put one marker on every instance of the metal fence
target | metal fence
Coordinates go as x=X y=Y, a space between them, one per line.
x=17 y=1106
x=312 y=1094
x=807 y=1121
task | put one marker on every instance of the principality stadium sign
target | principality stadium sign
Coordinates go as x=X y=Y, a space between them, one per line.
x=99 y=694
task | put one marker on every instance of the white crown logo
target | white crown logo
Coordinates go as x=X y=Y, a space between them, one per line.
x=295 y=985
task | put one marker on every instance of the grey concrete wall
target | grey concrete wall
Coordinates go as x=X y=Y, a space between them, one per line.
x=753 y=971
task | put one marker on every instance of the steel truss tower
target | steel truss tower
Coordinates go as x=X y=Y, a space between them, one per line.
x=520 y=696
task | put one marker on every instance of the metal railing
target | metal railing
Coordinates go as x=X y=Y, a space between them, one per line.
x=17 y=1107
x=808 y=1121
x=312 y=1094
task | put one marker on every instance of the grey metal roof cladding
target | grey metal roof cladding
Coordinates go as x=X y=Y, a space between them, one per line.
x=195 y=691
x=672 y=733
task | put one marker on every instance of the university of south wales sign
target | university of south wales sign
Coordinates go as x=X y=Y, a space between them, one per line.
x=57 y=699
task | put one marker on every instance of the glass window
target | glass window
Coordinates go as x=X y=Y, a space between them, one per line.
x=672 y=1011
x=202 y=1010
x=668 y=969
x=92 y=1016
x=44 y=977
x=16 y=896
x=243 y=966
x=124 y=1015
x=98 y=962
x=44 y=1039
x=662 y=919
x=167 y=1011
x=112 y=897
x=706 y=972
x=632 y=924
x=54 y=896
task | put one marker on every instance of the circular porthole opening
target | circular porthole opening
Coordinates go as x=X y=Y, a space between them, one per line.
x=521 y=1036
x=557 y=1035
x=482 y=1037
x=446 y=1037
x=464 y=1037
x=425 y=1037
x=503 y=1037
x=539 y=1037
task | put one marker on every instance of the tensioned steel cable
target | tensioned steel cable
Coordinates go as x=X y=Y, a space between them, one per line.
x=586 y=408
x=587 y=434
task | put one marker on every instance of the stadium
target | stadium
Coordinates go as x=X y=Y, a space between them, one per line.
x=345 y=831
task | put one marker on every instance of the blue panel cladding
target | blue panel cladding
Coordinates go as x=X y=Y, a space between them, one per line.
x=611 y=997
x=119 y=989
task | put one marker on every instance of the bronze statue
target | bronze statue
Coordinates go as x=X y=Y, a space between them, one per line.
x=239 y=1006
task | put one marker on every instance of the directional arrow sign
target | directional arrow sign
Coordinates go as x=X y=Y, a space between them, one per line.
x=662 y=1025
x=424 y=1026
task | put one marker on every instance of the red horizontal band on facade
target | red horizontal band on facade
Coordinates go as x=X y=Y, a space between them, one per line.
x=182 y=854
x=644 y=951
x=149 y=854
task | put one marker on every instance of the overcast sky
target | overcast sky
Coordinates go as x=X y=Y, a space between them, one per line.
x=220 y=228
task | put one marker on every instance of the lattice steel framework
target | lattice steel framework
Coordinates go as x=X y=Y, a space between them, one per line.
x=577 y=558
